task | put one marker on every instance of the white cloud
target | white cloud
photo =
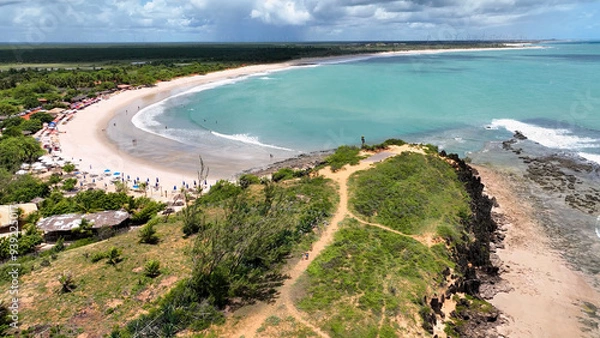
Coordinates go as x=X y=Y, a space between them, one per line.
x=280 y=12
x=251 y=20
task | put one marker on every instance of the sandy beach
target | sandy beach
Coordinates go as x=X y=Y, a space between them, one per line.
x=547 y=295
x=84 y=139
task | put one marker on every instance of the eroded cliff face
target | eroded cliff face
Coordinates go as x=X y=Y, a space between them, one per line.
x=470 y=315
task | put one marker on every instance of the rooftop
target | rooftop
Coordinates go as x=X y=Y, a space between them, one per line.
x=68 y=222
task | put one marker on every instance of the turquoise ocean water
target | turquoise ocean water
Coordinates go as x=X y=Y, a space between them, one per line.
x=458 y=101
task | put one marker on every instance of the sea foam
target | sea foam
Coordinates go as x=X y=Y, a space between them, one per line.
x=245 y=138
x=551 y=138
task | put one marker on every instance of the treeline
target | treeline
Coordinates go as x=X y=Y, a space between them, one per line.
x=50 y=88
x=247 y=53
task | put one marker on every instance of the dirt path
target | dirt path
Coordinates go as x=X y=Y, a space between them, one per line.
x=284 y=306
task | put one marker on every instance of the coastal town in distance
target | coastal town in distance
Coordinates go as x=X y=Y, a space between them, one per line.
x=292 y=168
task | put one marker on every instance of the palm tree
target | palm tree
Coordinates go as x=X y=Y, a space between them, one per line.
x=144 y=187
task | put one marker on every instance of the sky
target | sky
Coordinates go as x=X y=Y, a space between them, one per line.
x=42 y=21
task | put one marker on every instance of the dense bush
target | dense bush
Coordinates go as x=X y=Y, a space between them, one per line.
x=247 y=180
x=342 y=156
x=222 y=190
x=21 y=189
x=384 y=145
x=287 y=173
x=240 y=255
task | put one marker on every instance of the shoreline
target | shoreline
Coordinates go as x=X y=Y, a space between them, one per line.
x=85 y=139
x=544 y=297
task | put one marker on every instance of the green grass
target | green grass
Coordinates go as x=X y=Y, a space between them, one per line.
x=365 y=271
x=412 y=193
x=342 y=156
x=284 y=328
x=105 y=295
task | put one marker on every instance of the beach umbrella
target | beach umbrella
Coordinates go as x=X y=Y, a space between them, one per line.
x=116 y=173
x=135 y=186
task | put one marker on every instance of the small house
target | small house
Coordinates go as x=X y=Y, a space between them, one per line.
x=58 y=226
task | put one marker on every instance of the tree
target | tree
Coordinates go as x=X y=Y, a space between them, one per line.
x=144 y=187
x=152 y=268
x=7 y=109
x=69 y=168
x=242 y=256
x=193 y=220
x=42 y=117
x=247 y=180
x=22 y=189
x=66 y=281
x=69 y=184
x=59 y=245
x=84 y=229
x=148 y=234
x=54 y=179
x=114 y=256
x=121 y=187
x=202 y=175
x=19 y=149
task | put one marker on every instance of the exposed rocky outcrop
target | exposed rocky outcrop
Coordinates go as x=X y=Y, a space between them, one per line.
x=477 y=265
x=300 y=162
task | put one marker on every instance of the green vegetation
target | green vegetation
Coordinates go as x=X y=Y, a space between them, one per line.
x=106 y=294
x=152 y=268
x=384 y=145
x=148 y=234
x=67 y=282
x=242 y=241
x=370 y=280
x=342 y=156
x=411 y=193
x=114 y=256
x=238 y=254
x=74 y=55
x=27 y=243
x=247 y=180
x=289 y=327
x=287 y=174
x=18 y=149
x=221 y=191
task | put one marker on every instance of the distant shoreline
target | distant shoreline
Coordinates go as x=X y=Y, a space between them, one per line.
x=85 y=137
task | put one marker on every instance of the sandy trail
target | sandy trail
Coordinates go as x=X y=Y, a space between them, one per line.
x=284 y=305
x=546 y=291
